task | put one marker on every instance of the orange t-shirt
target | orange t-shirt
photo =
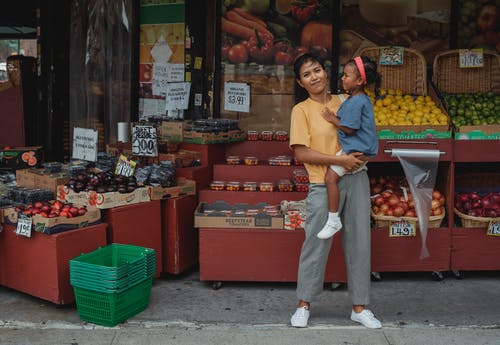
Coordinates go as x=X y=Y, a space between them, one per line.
x=309 y=128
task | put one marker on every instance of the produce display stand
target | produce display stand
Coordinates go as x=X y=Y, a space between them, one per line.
x=138 y=224
x=257 y=254
x=402 y=254
x=179 y=238
x=39 y=265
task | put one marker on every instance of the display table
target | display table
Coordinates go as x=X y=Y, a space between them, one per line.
x=260 y=255
x=137 y=224
x=179 y=238
x=39 y=265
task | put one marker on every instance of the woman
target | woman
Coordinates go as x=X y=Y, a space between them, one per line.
x=314 y=142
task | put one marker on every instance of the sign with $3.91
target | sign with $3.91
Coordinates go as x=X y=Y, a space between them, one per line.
x=237 y=97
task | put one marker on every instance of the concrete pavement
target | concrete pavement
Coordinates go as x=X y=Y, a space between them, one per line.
x=413 y=308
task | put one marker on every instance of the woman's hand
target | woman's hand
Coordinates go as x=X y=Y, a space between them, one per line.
x=352 y=161
x=329 y=116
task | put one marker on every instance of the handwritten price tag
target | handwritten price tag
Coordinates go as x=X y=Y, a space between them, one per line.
x=493 y=228
x=470 y=58
x=237 y=97
x=402 y=228
x=24 y=226
x=125 y=167
x=144 y=141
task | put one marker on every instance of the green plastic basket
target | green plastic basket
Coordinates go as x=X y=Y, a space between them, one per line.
x=112 y=268
x=110 y=309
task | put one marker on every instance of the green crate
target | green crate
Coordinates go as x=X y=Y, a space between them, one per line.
x=110 y=309
x=112 y=268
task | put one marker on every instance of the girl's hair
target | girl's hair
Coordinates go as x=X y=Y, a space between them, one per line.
x=372 y=76
x=300 y=93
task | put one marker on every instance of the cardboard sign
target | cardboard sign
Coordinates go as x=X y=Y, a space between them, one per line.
x=24 y=226
x=144 y=141
x=470 y=58
x=237 y=97
x=125 y=167
x=177 y=96
x=85 y=144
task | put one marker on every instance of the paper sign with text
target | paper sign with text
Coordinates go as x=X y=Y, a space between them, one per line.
x=177 y=96
x=470 y=58
x=237 y=97
x=144 y=141
x=85 y=144
x=24 y=226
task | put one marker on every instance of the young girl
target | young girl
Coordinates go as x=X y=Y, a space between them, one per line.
x=356 y=130
x=314 y=142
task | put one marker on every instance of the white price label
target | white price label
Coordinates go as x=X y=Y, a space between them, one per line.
x=144 y=141
x=402 y=228
x=237 y=97
x=24 y=226
x=125 y=167
x=494 y=228
x=471 y=58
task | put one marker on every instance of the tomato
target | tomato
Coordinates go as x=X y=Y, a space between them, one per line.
x=301 y=50
x=303 y=10
x=237 y=54
x=223 y=52
x=283 y=58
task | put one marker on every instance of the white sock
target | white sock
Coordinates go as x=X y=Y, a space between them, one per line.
x=332 y=217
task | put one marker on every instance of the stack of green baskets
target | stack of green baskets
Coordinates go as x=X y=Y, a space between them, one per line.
x=112 y=283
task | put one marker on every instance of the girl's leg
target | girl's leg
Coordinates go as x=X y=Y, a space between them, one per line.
x=333 y=224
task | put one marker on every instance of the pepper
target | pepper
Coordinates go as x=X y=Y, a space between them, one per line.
x=304 y=9
x=260 y=47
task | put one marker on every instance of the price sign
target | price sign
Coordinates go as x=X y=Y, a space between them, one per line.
x=470 y=58
x=402 y=228
x=85 y=144
x=177 y=96
x=237 y=97
x=494 y=228
x=125 y=167
x=24 y=226
x=391 y=55
x=144 y=141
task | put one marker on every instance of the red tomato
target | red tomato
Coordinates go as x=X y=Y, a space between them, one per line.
x=237 y=54
x=283 y=58
x=301 y=50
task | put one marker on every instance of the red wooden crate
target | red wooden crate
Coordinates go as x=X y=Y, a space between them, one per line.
x=472 y=250
x=39 y=265
x=179 y=238
x=138 y=224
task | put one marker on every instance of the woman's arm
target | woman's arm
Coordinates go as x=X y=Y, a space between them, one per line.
x=310 y=156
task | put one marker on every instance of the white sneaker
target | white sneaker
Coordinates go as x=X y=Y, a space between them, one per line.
x=300 y=317
x=330 y=229
x=366 y=318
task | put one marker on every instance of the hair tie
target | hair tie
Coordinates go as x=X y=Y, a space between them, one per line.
x=361 y=68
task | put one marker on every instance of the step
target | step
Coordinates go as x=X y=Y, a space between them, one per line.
x=210 y=196
x=259 y=148
x=255 y=173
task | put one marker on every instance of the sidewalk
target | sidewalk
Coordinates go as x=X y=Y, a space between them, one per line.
x=413 y=308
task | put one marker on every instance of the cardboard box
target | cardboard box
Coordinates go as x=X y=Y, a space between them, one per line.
x=483 y=132
x=25 y=178
x=102 y=200
x=66 y=194
x=218 y=218
x=119 y=148
x=171 y=130
x=57 y=224
x=213 y=138
x=181 y=158
x=184 y=187
x=20 y=157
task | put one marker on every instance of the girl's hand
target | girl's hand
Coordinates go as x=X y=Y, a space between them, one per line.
x=329 y=115
x=352 y=161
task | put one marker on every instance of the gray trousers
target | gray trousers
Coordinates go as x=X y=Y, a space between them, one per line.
x=354 y=209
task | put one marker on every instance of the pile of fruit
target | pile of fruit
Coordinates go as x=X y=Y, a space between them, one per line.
x=51 y=209
x=393 y=108
x=392 y=197
x=102 y=182
x=475 y=205
x=476 y=109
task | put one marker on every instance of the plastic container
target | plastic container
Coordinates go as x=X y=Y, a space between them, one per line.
x=285 y=185
x=251 y=160
x=233 y=186
x=300 y=176
x=249 y=186
x=233 y=160
x=266 y=186
x=217 y=185
x=280 y=160
x=281 y=136
x=266 y=135
x=252 y=135
x=52 y=167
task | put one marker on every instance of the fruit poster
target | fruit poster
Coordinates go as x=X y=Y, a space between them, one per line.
x=260 y=40
x=161 y=55
x=478 y=25
x=423 y=25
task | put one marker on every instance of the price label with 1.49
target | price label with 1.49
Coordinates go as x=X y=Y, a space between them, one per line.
x=494 y=228
x=24 y=226
x=402 y=228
